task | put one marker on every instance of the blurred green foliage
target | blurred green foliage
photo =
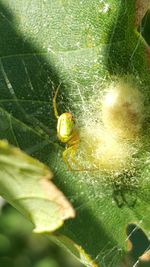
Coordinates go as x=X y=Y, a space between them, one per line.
x=20 y=248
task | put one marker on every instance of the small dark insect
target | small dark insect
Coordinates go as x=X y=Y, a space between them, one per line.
x=122 y=198
x=125 y=190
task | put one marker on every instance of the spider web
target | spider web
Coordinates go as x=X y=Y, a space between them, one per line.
x=36 y=58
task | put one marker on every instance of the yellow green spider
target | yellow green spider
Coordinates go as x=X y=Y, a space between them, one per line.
x=66 y=133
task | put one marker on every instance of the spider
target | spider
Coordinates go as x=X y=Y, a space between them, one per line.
x=66 y=133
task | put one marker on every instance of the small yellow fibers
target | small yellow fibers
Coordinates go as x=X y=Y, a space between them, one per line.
x=110 y=135
x=122 y=110
x=102 y=150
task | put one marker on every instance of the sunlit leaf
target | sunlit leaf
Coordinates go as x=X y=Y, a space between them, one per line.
x=87 y=47
x=25 y=183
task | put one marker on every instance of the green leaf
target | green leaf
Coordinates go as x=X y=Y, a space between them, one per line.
x=25 y=183
x=88 y=47
x=145 y=30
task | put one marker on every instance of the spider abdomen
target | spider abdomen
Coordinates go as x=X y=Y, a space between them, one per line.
x=65 y=127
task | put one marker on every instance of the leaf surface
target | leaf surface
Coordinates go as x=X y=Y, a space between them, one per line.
x=85 y=46
x=25 y=183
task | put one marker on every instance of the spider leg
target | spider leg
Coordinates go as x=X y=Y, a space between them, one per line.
x=65 y=158
x=71 y=151
x=54 y=102
x=72 y=156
